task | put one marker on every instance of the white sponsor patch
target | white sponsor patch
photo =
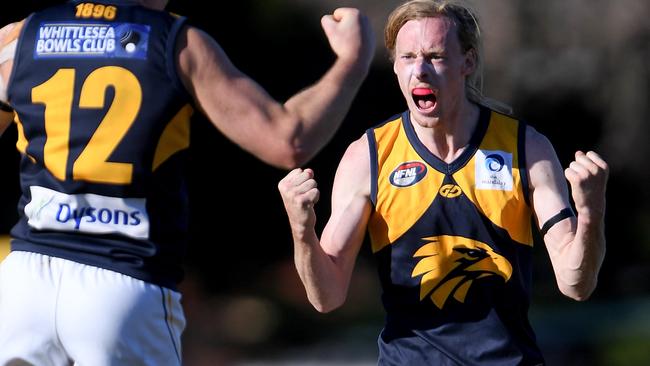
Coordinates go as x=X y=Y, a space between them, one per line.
x=92 y=39
x=87 y=213
x=493 y=170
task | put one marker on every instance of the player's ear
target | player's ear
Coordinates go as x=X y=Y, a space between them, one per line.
x=471 y=60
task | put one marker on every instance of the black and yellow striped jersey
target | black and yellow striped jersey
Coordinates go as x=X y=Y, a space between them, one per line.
x=103 y=123
x=454 y=246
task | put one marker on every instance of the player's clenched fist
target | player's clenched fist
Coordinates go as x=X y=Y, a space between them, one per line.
x=299 y=194
x=587 y=175
x=350 y=35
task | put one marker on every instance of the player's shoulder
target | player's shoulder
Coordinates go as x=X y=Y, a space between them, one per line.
x=10 y=32
x=536 y=141
x=357 y=149
x=393 y=120
x=353 y=172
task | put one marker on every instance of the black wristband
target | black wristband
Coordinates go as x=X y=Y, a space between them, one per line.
x=6 y=107
x=567 y=212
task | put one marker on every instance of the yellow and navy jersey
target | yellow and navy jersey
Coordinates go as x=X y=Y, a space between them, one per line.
x=454 y=246
x=103 y=121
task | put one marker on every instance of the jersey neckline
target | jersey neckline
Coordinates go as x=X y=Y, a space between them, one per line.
x=437 y=163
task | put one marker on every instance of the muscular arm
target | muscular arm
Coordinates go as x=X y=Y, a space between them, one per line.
x=6 y=63
x=576 y=245
x=325 y=266
x=5 y=120
x=284 y=135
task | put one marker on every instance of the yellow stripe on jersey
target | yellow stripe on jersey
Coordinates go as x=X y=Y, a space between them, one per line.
x=21 y=142
x=4 y=246
x=398 y=209
x=175 y=137
x=505 y=208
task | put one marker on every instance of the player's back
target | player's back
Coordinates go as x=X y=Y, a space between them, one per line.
x=104 y=129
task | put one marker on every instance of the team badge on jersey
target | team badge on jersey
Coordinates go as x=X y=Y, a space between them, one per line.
x=449 y=265
x=493 y=170
x=92 y=39
x=408 y=174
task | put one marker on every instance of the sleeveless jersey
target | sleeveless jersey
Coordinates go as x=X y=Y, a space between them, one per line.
x=103 y=122
x=454 y=246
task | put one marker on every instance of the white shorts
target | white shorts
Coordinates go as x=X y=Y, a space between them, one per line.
x=58 y=312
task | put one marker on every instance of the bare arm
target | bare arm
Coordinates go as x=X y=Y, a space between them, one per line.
x=284 y=135
x=6 y=63
x=325 y=267
x=576 y=246
x=5 y=120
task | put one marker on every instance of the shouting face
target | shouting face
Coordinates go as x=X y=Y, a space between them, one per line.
x=431 y=68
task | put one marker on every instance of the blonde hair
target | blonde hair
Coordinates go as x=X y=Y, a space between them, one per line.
x=469 y=35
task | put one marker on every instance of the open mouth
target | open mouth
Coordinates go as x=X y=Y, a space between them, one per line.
x=424 y=98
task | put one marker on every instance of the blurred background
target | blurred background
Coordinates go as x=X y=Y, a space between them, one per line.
x=577 y=70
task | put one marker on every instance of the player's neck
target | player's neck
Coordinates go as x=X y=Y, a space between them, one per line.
x=451 y=135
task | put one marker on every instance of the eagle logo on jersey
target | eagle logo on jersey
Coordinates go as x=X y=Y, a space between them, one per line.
x=450 y=264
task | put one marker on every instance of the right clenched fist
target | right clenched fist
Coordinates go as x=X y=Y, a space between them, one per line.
x=299 y=194
x=350 y=35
